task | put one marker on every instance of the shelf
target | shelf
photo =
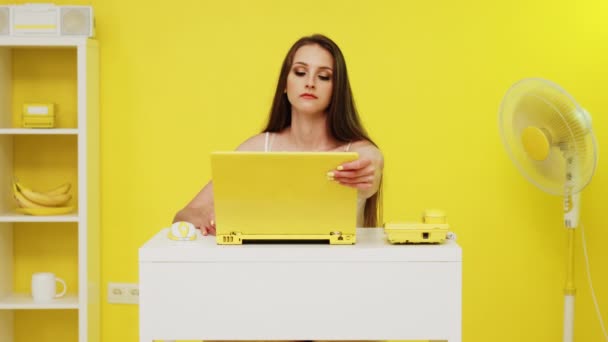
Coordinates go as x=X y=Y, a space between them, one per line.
x=43 y=41
x=23 y=301
x=38 y=131
x=14 y=217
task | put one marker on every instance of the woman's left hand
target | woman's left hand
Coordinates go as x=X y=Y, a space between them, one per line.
x=359 y=174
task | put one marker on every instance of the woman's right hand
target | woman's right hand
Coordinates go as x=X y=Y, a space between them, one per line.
x=201 y=218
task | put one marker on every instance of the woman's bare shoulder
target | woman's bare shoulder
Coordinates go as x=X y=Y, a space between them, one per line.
x=255 y=143
x=368 y=150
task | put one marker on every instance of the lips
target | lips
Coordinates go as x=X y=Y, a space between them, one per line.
x=308 y=96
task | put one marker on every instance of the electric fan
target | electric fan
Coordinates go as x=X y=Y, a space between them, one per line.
x=549 y=138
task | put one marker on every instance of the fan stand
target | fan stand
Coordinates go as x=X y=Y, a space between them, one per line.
x=570 y=289
x=571 y=218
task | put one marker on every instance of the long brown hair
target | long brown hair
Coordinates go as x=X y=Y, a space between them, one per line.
x=343 y=121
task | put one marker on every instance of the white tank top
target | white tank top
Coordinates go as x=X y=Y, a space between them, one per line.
x=360 y=201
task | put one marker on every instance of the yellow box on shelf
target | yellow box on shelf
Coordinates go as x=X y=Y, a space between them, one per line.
x=433 y=229
x=38 y=115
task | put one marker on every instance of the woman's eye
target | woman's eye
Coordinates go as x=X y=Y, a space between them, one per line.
x=299 y=73
x=324 y=77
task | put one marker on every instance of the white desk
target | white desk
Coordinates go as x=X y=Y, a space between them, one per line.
x=368 y=291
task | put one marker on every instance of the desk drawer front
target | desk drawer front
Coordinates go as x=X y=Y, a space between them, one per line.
x=301 y=301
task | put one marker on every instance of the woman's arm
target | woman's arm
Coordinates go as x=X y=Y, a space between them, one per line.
x=200 y=211
x=364 y=173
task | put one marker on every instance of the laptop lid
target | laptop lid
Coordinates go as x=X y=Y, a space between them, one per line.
x=281 y=193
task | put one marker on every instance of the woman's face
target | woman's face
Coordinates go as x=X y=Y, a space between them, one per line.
x=310 y=80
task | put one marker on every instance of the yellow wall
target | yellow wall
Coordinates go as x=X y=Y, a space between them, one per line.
x=179 y=82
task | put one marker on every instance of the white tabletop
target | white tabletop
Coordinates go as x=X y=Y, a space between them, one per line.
x=371 y=246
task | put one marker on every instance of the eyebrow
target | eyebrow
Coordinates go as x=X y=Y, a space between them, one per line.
x=321 y=67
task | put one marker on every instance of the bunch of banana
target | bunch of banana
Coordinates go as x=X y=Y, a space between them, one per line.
x=28 y=198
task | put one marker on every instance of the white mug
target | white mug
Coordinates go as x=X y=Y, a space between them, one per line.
x=44 y=287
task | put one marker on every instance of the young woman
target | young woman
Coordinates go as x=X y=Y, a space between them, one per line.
x=313 y=110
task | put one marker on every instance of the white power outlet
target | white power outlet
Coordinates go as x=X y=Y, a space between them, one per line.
x=123 y=293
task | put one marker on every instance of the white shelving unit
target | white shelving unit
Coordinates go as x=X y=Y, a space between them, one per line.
x=87 y=216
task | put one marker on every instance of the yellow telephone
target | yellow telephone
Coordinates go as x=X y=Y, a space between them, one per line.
x=433 y=229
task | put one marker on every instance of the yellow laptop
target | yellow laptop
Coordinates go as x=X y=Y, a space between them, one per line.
x=282 y=197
